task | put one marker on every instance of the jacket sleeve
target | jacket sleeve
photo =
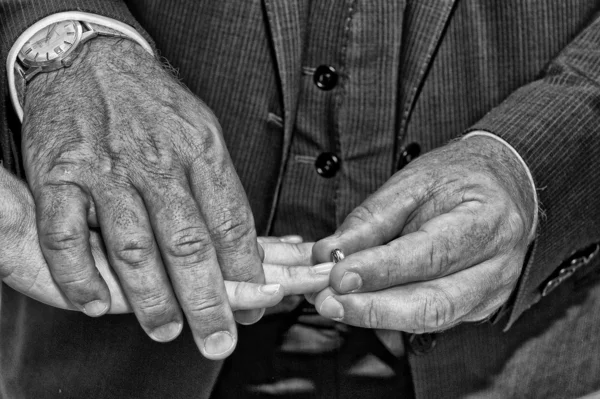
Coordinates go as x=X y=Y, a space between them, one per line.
x=554 y=124
x=15 y=17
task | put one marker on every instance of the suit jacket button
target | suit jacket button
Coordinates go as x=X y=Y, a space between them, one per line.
x=327 y=164
x=421 y=344
x=325 y=77
x=408 y=154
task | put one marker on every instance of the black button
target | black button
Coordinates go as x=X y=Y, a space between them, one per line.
x=407 y=154
x=421 y=344
x=327 y=164
x=325 y=77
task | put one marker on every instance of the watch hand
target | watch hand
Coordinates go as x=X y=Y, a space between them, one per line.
x=50 y=31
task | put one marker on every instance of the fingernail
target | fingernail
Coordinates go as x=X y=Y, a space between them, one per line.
x=167 y=332
x=323 y=268
x=95 y=308
x=248 y=317
x=218 y=343
x=311 y=297
x=291 y=239
x=269 y=289
x=350 y=282
x=332 y=309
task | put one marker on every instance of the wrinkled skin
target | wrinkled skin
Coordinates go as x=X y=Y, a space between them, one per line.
x=442 y=242
x=115 y=144
x=23 y=267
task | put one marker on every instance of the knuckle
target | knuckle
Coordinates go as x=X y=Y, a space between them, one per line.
x=363 y=213
x=436 y=311
x=73 y=281
x=206 y=306
x=232 y=227
x=64 y=238
x=135 y=252
x=155 y=306
x=372 y=317
x=289 y=273
x=191 y=244
x=438 y=250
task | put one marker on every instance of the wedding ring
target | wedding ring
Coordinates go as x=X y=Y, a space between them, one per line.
x=337 y=255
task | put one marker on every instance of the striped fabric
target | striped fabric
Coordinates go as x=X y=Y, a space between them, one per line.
x=427 y=71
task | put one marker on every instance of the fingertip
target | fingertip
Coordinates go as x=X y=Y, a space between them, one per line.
x=218 y=345
x=331 y=308
x=95 y=308
x=310 y=298
x=167 y=332
x=248 y=317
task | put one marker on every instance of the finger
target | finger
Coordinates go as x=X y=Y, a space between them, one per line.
x=134 y=255
x=247 y=296
x=378 y=220
x=443 y=245
x=64 y=235
x=310 y=298
x=291 y=239
x=227 y=214
x=188 y=252
x=118 y=299
x=262 y=240
x=296 y=280
x=291 y=254
x=421 y=307
x=280 y=280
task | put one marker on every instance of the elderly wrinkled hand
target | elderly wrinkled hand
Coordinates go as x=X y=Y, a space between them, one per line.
x=115 y=142
x=23 y=267
x=442 y=242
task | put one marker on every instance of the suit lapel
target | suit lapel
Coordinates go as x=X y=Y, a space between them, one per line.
x=285 y=19
x=424 y=24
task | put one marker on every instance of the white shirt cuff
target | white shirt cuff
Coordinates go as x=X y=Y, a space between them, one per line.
x=510 y=147
x=122 y=28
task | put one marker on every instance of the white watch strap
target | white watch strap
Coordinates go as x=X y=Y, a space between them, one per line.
x=120 y=27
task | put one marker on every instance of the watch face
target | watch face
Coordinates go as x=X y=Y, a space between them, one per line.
x=51 y=43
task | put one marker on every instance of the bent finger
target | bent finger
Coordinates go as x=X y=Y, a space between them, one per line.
x=419 y=307
x=64 y=240
x=228 y=217
x=444 y=245
x=188 y=251
x=134 y=256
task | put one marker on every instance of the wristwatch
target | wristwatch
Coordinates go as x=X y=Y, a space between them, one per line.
x=56 y=46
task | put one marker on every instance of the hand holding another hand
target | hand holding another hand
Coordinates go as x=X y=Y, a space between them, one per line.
x=115 y=143
x=23 y=267
x=442 y=242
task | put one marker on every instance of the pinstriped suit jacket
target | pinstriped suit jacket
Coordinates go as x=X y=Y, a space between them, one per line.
x=528 y=71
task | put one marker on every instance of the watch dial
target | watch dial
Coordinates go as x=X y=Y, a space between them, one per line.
x=50 y=43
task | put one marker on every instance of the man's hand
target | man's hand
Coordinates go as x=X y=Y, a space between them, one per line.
x=442 y=242
x=22 y=264
x=115 y=143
